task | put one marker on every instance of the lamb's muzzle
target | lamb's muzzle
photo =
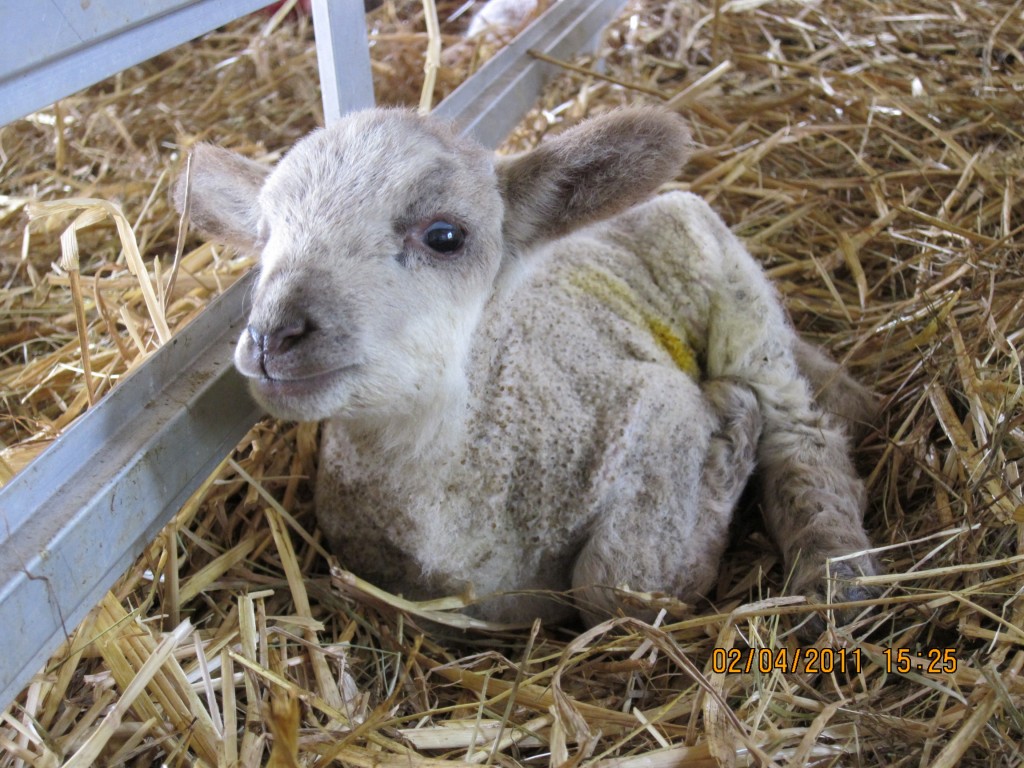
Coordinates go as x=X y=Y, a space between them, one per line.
x=530 y=380
x=260 y=346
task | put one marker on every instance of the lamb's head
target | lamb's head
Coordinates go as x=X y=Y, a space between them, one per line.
x=383 y=237
x=379 y=240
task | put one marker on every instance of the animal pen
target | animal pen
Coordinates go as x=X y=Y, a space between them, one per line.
x=870 y=156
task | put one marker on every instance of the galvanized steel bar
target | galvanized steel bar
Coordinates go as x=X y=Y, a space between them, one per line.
x=76 y=517
x=493 y=101
x=51 y=48
x=343 y=57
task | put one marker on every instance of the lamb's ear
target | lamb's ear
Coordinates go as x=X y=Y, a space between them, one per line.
x=222 y=194
x=590 y=172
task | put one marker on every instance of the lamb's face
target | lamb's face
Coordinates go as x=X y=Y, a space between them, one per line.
x=381 y=240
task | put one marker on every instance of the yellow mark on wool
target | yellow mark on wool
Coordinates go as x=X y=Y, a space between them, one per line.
x=617 y=295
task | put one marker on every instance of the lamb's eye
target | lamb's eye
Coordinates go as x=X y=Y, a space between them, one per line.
x=443 y=237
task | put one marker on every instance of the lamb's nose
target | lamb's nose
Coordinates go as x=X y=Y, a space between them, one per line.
x=281 y=339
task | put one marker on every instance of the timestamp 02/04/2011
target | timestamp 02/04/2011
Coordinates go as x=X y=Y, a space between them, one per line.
x=828 y=660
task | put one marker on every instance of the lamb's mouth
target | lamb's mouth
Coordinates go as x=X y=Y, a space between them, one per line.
x=273 y=389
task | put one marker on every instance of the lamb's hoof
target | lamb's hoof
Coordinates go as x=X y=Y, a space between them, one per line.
x=837 y=590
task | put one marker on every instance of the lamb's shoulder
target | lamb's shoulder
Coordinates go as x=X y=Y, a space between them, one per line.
x=642 y=284
x=538 y=387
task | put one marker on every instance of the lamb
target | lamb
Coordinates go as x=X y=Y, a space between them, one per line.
x=533 y=378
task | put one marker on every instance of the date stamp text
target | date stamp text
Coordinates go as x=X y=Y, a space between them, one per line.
x=735 y=661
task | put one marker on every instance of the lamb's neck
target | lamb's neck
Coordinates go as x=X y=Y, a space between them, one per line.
x=425 y=433
x=428 y=431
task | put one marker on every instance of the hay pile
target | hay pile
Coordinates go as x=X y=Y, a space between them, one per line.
x=870 y=154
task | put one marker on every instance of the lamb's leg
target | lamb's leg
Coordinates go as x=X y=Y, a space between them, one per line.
x=835 y=391
x=665 y=495
x=813 y=500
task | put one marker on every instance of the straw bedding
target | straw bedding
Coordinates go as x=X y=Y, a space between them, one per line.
x=871 y=155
